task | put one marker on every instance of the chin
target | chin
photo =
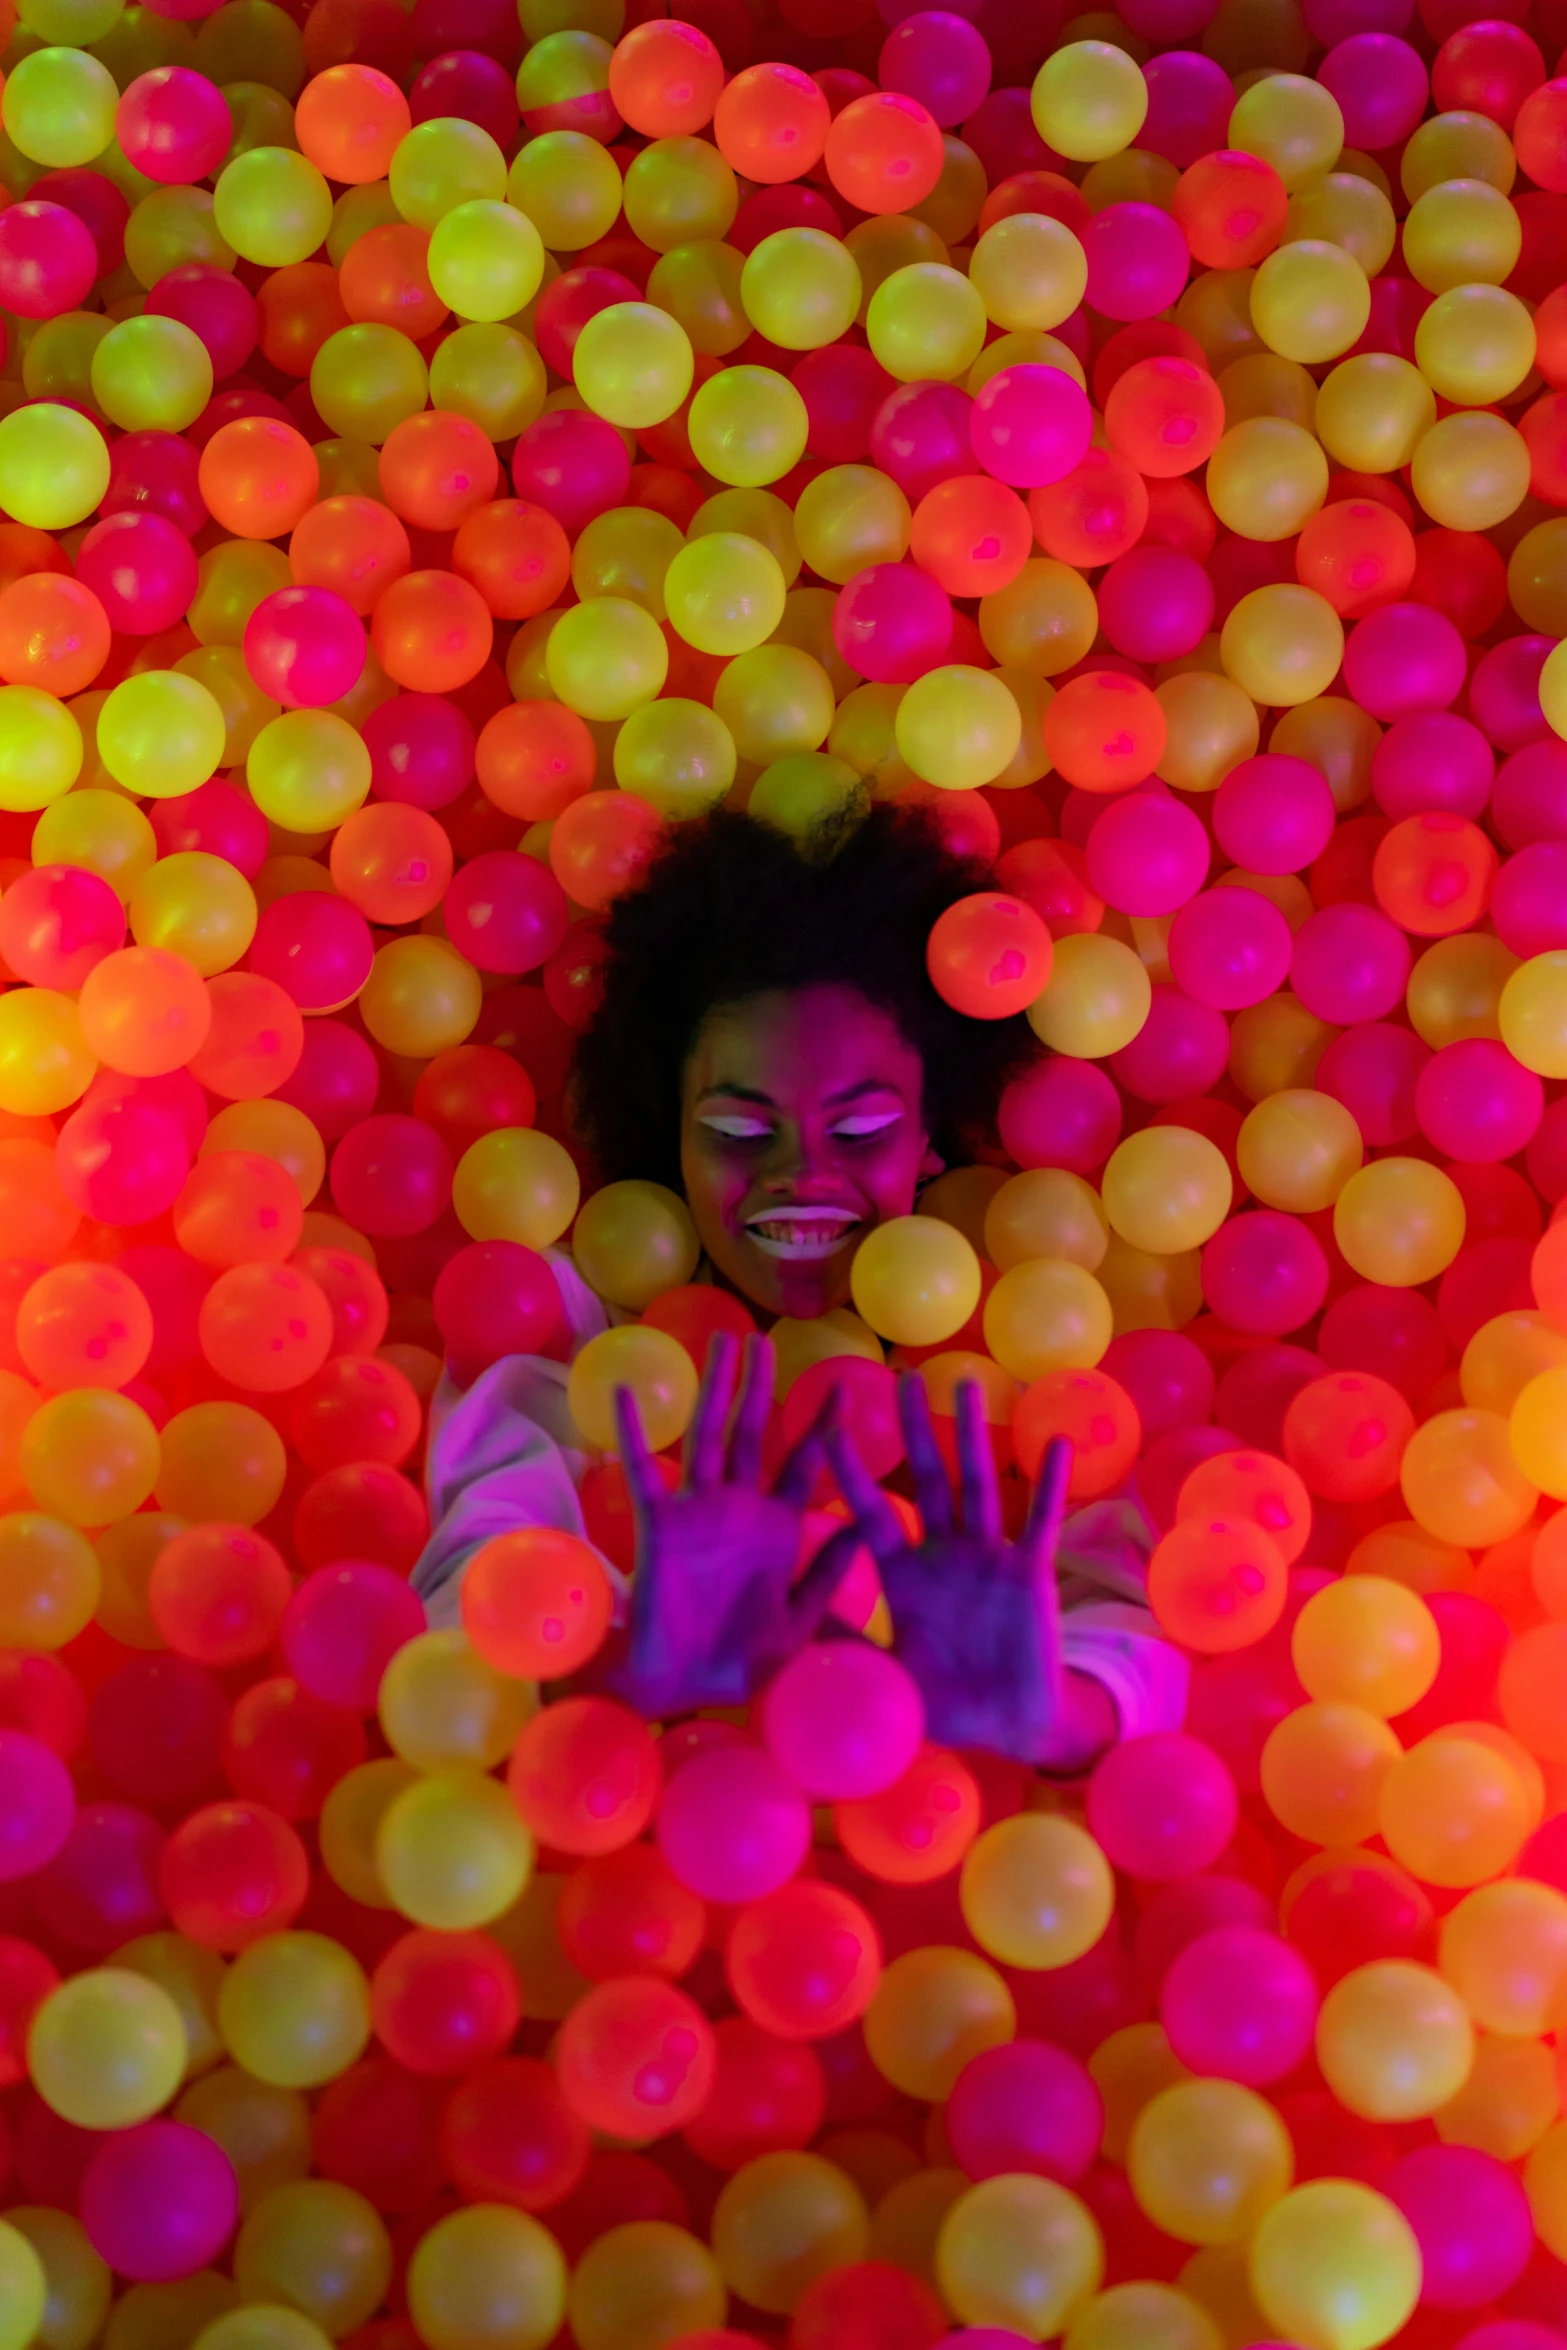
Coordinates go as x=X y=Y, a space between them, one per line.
x=799 y=1291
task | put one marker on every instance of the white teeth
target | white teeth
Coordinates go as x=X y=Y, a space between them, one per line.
x=802 y=1234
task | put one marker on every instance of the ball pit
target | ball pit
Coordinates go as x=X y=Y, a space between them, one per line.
x=442 y=450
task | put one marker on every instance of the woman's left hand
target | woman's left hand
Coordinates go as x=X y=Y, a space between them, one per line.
x=715 y=1607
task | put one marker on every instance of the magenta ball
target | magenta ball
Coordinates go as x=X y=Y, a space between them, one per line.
x=1162 y=1806
x=1404 y=659
x=37 y=1804
x=316 y=946
x=920 y=436
x=140 y=566
x=1381 y=87
x=1182 y=1048
x=122 y=1161
x=1190 y=98
x=567 y=304
x=174 y=125
x=1155 y=604
x=215 y=306
x=156 y=473
x=939 y=59
x=1434 y=759
x=220 y=820
x=1529 y=903
x=1060 y=1113
x=1138 y=261
x=1230 y=948
x=732 y=1826
x=1373 y=1070
x=1274 y=814
x=1476 y=1103
x=505 y=912
x=305 y=647
x=101 y=207
x=844 y=1721
x=1393 y=1333
x=1529 y=798
x=155 y=1731
x=1030 y=425
x=159 y=2200
x=892 y=622
x=1350 y=963
x=1028 y=2107
x=573 y=465
x=336 y=1079
x=494 y=1298
x=343 y=1627
x=1264 y=1273
x=1239 y=2004
x=421 y=750
x=1147 y=854
x=1504 y=692
x=392 y=1176
x=1166 y=1374
x=1190 y=1908
x=57 y=923
x=1472 y=2220
x=48 y=260
x=101 y=1888
x=470 y=86
x=842 y=387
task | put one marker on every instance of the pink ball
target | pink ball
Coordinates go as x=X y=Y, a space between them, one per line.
x=1155 y=604
x=1264 y=1273
x=471 y=86
x=123 y=1160
x=1147 y=854
x=1381 y=87
x=343 y=1627
x=1393 y=1333
x=174 y=1285
x=1476 y=1103
x=1373 y=1070
x=1529 y=799
x=335 y=1080
x=305 y=647
x=421 y=750
x=140 y=566
x=1529 y=903
x=732 y=1826
x=1182 y=1048
x=920 y=436
x=842 y=387
x=844 y=1720
x=1350 y=963
x=867 y=1400
x=1512 y=2333
x=215 y=306
x=1239 y=2004
x=57 y=923
x=156 y=473
x=505 y=912
x=1230 y=948
x=1060 y=1113
x=155 y=1731
x=48 y=259
x=1257 y=1390
x=892 y=622
x=1504 y=692
x=1434 y=759
x=940 y=60
x=392 y=1176
x=494 y=1298
x=1403 y=659
x=788 y=204
x=1274 y=814
x=1138 y=261
x=219 y=819
x=1030 y=425
x=101 y=1888
x=37 y=1804
x=159 y=2200
x=317 y=947
x=1028 y=2107
x=1162 y=1806
x=101 y=207
x=1472 y=2220
x=1190 y=98
x=1166 y=1374
x=573 y=465
x=174 y=125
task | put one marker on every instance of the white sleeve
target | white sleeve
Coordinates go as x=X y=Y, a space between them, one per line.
x=1107 y=1627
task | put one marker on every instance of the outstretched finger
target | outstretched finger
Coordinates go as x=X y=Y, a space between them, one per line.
x=643 y=1483
x=818 y=1587
x=1048 y=1507
x=932 y=1491
x=704 y=1446
x=756 y=1401
x=977 y=1465
x=875 y=1519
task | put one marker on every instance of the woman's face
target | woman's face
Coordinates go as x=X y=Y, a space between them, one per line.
x=801 y=1127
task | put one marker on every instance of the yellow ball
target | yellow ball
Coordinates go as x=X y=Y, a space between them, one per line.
x=40 y=748
x=452 y=1852
x=23 y=2289
x=262 y=2326
x=801 y=793
x=318 y=2247
x=1045 y=1212
x=421 y=997
x=1166 y=1189
x=90 y=1456
x=49 y=1581
x=656 y=1369
x=568 y=186
x=192 y=1977
x=1310 y=301
x=1036 y=1891
x=1537 y=577
x=1043 y=621
x=782 y=2221
x=1537 y=1431
x=1322 y=1771
x=1453 y=1811
x=1474 y=344
x=1282 y=644
x=633 y=1241
x=1291 y=122
x=1462 y=232
x=677 y=755
x=1029 y=271
x=443 y=163
x=1089 y=100
x=367 y=379
x=849 y=517
x=78 y=2284
x=1019 y=2252
x=294 y=2010
x=605 y=658
x=272 y=206
x=1470 y=471
x=1096 y=1000
x=487 y=2278
x=1460 y=1479
x=485 y=260
x=935 y=2010
x=198 y=906
x=748 y=426
x=45 y=1061
x=1047 y=1315
x=1297 y=1149
x=1337 y=2264
x=1399 y=1221
x=958 y=727
x=350 y=1821
x=516 y=1184
x=644 y=2281
x=1143 y=2317
x=151 y=374
x=106 y=2049
x=1266 y=478
x=54 y=463
x=489 y=373
x=441 y=1706
x=1508 y=2103
x=1532 y=1009
x=1373 y=411
x=1206 y=2159
x=1456 y=146
x=633 y=364
x=1367 y=1642
x=1504 y=1950
x=307 y=770
x=775 y=701
x=926 y=321
x=915 y=1281
x=1394 y=2040
x=724 y=593
x=800 y=288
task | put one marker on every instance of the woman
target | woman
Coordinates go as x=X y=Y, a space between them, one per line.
x=769 y=1042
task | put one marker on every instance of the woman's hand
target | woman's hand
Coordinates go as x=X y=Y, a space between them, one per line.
x=976 y=1619
x=715 y=1608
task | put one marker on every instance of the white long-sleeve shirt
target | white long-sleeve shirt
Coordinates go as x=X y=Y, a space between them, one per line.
x=505 y=1453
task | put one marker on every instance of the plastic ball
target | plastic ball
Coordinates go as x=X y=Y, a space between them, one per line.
x=106 y=2049
x=484 y=2272
x=1019 y=2252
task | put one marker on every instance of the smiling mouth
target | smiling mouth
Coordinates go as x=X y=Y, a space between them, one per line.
x=802 y=1235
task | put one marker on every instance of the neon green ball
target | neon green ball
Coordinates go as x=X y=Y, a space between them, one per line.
x=748 y=426
x=606 y=657
x=40 y=748
x=441 y=164
x=272 y=206
x=486 y=260
x=24 y=2290
x=633 y=364
x=59 y=107
x=161 y=733
x=151 y=374
x=54 y=466
x=724 y=593
x=801 y=288
x=926 y=321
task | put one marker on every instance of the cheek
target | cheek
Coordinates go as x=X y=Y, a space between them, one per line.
x=893 y=1177
x=711 y=1188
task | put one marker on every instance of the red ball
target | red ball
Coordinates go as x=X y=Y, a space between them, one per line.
x=441 y=2003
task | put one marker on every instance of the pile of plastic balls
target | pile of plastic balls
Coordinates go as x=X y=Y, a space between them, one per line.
x=442 y=448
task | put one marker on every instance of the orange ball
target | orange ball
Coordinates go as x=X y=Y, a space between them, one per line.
x=1251 y=1485
x=516 y=555
x=145 y=1011
x=349 y=120
x=391 y=861
x=1098 y=1416
x=665 y=79
x=600 y=845
x=884 y=152
x=384 y=281
x=432 y=632
x=437 y=469
x=83 y=1326
x=971 y=534
x=585 y=1775
x=1217 y=1583
x=238 y=1208
x=296 y=309
x=355 y=546
x=536 y=1603
x=54 y=634
x=772 y=122
x=1548 y=1275
x=1433 y=873
x=1105 y=731
x=258 y=476
x=534 y=759
x=1166 y=415
x=1345 y=1435
x=1529 y=1691
x=265 y=1328
x=255 y=1040
x=921 y=1827
x=1357 y=554
x=989 y=956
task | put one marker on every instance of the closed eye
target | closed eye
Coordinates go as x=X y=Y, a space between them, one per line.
x=735 y=1125
x=863 y=1125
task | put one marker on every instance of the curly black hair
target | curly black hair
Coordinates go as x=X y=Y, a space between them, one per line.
x=731 y=908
